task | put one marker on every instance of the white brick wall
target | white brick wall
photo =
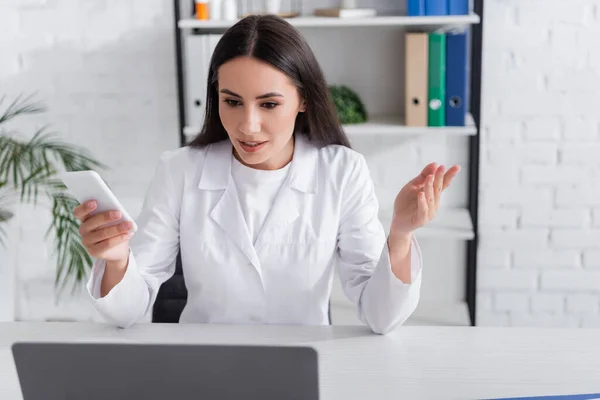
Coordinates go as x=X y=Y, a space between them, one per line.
x=539 y=116
x=108 y=79
x=541 y=129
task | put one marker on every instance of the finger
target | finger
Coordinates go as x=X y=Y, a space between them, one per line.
x=96 y=221
x=99 y=248
x=83 y=210
x=438 y=183
x=450 y=175
x=419 y=180
x=429 y=192
x=98 y=235
x=423 y=208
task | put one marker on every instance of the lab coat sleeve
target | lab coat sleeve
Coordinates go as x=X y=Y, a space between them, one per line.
x=153 y=251
x=383 y=301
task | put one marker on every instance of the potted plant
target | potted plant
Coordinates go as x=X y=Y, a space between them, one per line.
x=350 y=108
x=28 y=169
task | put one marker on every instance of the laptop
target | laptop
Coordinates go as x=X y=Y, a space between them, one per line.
x=101 y=371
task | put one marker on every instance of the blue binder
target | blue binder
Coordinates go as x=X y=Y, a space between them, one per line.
x=458 y=7
x=457 y=78
x=436 y=7
x=415 y=7
x=586 y=396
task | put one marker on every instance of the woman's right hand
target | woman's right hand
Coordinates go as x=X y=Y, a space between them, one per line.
x=109 y=243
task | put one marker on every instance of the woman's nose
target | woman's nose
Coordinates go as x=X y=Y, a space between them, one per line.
x=251 y=123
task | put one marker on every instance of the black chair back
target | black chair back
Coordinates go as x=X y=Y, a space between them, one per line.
x=171 y=297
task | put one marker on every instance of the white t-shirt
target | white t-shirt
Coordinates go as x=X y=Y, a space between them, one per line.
x=256 y=190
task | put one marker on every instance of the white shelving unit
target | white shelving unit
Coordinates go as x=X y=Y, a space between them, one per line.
x=451 y=223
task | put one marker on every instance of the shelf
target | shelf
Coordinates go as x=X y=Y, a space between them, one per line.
x=450 y=223
x=426 y=22
x=394 y=125
x=389 y=125
x=429 y=314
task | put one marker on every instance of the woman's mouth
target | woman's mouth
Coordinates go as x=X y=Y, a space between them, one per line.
x=251 y=147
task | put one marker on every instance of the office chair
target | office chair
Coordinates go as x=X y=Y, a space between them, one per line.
x=172 y=297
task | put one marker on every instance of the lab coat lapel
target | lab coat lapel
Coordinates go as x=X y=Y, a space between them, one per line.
x=301 y=182
x=227 y=213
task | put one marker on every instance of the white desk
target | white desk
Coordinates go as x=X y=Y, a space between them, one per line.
x=410 y=363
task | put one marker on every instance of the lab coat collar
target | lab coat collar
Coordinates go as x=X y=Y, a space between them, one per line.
x=217 y=166
x=303 y=169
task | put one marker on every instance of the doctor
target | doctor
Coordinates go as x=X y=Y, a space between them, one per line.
x=264 y=203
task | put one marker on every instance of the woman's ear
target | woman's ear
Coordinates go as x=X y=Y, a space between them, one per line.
x=302 y=106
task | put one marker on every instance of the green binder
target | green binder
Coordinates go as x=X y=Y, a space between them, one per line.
x=437 y=80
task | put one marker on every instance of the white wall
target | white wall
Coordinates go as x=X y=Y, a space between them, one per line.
x=106 y=70
x=539 y=257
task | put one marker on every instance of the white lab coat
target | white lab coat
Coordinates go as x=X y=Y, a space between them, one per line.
x=325 y=215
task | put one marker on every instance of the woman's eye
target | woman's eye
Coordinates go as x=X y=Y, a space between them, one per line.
x=232 y=103
x=270 y=105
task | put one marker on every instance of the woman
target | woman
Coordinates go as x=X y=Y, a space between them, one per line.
x=264 y=203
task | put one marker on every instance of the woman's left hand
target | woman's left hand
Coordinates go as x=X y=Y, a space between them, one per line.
x=418 y=201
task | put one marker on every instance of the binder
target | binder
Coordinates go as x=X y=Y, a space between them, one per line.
x=458 y=7
x=575 y=396
x=457 y=78
x=198 y=52
x=436 y=7
x=416 y=65
x=436 y=79
x=415 y=7
x=196 y=71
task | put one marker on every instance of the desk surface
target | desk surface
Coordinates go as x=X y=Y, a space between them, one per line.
x=412 y=362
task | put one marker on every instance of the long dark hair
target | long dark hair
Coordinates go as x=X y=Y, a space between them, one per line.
x=273 y=40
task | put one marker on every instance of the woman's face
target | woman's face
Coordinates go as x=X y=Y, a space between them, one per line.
x=258 y=105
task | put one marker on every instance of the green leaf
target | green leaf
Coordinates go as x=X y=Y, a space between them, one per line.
x=5 y=215
x=20 y=106
x=73 y=260
x=3 y=236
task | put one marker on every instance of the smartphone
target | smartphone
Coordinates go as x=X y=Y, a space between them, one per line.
x=88 y=185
